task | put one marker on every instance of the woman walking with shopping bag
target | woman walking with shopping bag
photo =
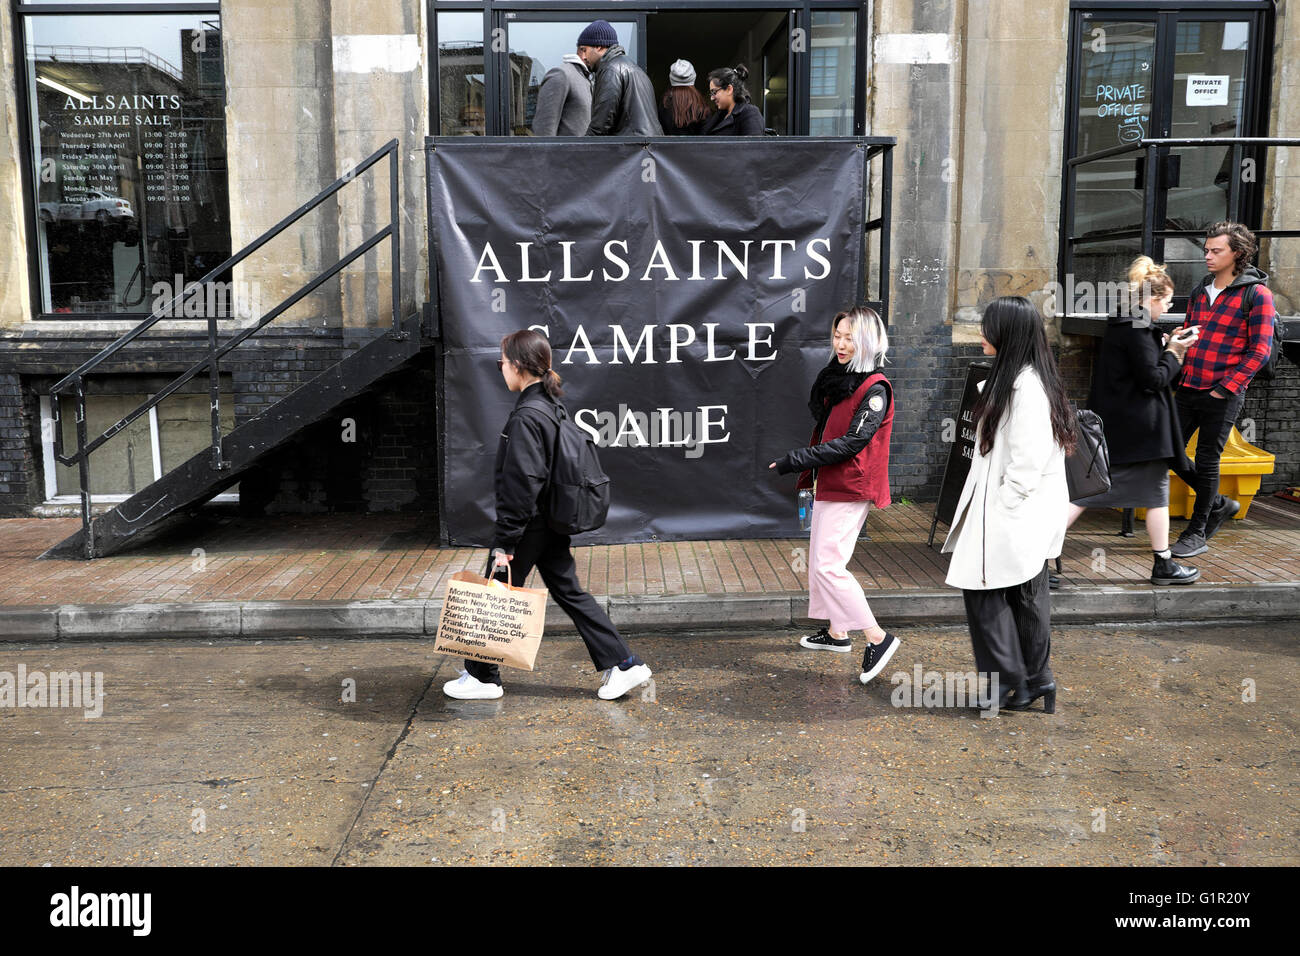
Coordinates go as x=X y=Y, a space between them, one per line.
x=847 y=463
x=1010 y=518
x=524 y=539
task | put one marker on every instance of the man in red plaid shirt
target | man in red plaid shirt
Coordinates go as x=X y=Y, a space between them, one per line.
x=1233 y=310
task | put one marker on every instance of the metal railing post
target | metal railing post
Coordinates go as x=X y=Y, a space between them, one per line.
x=83 y=469
x=886 y=225
x=214 y=394
x=1234 y=184
x=1149 y=195
x=395 y=247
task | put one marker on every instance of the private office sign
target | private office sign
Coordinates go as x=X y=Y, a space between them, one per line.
x=686 y=288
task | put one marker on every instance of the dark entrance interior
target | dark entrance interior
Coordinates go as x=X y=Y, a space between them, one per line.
x=760 y=39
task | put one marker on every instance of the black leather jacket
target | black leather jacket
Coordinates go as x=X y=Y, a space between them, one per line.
x=623 y=103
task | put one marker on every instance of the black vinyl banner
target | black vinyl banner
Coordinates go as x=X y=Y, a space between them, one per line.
x=687 y=289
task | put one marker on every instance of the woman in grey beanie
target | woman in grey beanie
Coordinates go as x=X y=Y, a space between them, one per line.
x=682 y=111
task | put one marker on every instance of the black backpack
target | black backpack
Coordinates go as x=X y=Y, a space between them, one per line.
x=577 y=493
x=1269 y=369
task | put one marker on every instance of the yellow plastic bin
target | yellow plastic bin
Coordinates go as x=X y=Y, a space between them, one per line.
x=1240 y=470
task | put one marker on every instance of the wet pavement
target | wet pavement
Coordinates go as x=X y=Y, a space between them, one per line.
x=1169 y=746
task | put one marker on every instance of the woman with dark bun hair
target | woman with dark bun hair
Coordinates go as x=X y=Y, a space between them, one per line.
x=524 y=539
x=736 y=115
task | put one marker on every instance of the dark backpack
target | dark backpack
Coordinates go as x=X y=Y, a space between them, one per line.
x=1269 y=369
x=577 y=492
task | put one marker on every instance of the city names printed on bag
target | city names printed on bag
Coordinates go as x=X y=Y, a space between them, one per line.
x=479 y=620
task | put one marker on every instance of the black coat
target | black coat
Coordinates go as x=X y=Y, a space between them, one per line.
x=743 y=120
x=523 y=466
x=623 y=103
x=1130 y=391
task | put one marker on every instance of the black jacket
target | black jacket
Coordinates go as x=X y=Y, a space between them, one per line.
x=1130 y=391
x=523 y=467
x=743 y=120
x=862 y=427
x=623 y=103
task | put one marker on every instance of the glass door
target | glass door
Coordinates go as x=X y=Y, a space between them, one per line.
x=1162 y=73
x=1116 y=63
x=1208 y=99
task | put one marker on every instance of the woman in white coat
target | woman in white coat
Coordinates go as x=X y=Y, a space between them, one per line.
x=1010 y=518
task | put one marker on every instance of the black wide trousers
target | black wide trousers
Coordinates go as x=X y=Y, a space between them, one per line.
x=549 y=553
x=1011 y=633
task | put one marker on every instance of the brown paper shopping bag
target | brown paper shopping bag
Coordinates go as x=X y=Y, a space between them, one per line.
x=491 y=622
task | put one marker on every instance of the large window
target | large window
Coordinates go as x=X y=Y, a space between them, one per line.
x=805 y=73
x=127 y=121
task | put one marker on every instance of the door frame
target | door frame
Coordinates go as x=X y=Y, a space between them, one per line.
x=496 y=14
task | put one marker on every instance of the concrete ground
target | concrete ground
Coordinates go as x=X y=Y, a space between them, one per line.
x=743 y=750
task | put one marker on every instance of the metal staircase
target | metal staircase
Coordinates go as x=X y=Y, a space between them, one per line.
x=211 y=471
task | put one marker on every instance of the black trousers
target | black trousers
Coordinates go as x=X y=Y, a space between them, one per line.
x=1011 y=633
x=1197 y=408
x=549 y=553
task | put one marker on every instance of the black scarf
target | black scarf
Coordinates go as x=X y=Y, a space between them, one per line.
x=834 y=384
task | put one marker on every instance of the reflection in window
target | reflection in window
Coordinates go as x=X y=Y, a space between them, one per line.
x=462 y=93
x=834 y=65
x=129 y=156
x=825 y=63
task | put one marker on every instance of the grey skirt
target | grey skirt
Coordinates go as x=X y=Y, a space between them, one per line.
x=1139 y=484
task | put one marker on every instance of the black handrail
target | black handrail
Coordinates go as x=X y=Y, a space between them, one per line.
x=1152 y=151
x=76 y=380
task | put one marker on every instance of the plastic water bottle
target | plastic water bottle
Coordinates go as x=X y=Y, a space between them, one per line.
x=805 y=509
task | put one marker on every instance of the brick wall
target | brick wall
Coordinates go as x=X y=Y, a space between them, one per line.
x=20 y=479
x=377 y=452
x=1274 y=406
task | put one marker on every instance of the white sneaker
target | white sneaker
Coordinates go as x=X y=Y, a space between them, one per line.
x=617 y=682
x=468 y=687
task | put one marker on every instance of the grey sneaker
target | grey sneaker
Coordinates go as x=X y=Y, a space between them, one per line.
x=1189 y=545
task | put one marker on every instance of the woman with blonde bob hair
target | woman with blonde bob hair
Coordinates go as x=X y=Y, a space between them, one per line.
x=1135 y=368
x=847 y=465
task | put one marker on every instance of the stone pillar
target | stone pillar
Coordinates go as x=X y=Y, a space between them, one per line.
x=15 y=307
x=280 y=145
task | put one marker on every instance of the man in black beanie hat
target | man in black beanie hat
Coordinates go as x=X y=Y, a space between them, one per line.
x=623 y=103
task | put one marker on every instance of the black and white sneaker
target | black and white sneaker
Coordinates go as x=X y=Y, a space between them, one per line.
x=822 y=641
x=877 y=656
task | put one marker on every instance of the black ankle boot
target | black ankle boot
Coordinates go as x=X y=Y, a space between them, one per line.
x=1169 y=571
x=1030 y=694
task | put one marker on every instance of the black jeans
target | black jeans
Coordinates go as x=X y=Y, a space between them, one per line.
x=1011 y=632
x=1198 y=409
x=549 y=552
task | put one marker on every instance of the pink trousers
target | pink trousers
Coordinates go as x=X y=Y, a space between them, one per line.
x=834 y=594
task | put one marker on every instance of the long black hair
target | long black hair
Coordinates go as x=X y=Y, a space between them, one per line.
x=531 y=352
x=1013 y=326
